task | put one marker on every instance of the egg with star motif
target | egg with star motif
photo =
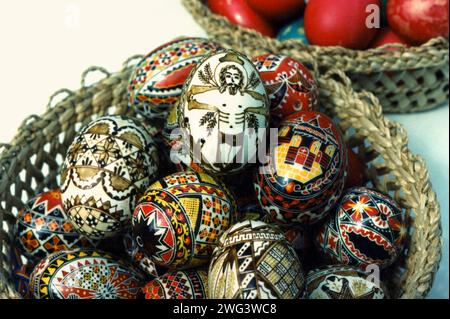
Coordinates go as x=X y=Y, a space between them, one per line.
x=109 y=162
x=305 y=172
x=178 y=219
x=223 y=113
x=368 y=228
x=343 y=282
x=156 y=83
x=290 y=85
x=43 y=228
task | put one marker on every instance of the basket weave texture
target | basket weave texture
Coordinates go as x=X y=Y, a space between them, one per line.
x=406 y=80
x=30 y=164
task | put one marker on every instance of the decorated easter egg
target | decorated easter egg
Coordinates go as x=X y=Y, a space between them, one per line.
x=84 y=274
x=280 y=10
x=289 y=84
x=350 y=24
x=156 y=83
x=110 y=161
x=43 y=227
x=419 y=20
x=223 y=112
x=187 y=284
x=240 y=13
x=387 y=36
x=294 y=30
x=140 y=259
x=305 y=172
x=178 y=220
x=355 y=170
x=253 y=260
x=367 y=228
x=343 y=282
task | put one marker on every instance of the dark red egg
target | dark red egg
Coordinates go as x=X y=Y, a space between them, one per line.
x=240 y=13
x=344 y=23
x=355 y=170
x=419 y=20
x=306 y=171
x=277 y=10
x=387 y=36
x=290 y=85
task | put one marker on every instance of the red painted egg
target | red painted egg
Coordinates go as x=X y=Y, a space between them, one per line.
x=355 y=170
x=419 y=20
x=367 y=228
x=240 y=13
x=306 y=170
x=289 y=84
x=279 y=10
x=340 y=23
x=387 y=36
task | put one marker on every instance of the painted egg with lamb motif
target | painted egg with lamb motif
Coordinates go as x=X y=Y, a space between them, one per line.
x=110 y=161
x=253 y=260
x=43 y=228
x=156 y=83
x=223 y=112
x=367 y=228
x=178 y=220
x=182 y=284
x=343 y=282
x=290 y=85
x=84 y=274
x=306 y=171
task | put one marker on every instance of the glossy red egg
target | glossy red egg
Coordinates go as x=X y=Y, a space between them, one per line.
x=340 y=23
x=290 y=85
x=387 y=36
x=419 y=20
x=277 y=10
x=240 y=13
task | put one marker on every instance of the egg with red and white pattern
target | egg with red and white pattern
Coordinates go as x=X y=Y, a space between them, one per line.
x=290 y=85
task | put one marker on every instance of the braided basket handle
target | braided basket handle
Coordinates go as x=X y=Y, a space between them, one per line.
x=92 y=70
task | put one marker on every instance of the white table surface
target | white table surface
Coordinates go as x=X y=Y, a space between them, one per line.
x=47 y=44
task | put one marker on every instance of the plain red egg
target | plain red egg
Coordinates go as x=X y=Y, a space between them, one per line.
x=419 y=20
x=278 y=10
x=355 y=170
x=240 y=13
x=340 y=23
x=387 y=36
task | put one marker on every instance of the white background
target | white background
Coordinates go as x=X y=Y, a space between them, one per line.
x=47 y=44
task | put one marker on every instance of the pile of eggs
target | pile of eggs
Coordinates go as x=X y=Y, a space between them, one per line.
x=193 y=210
x=354 y=24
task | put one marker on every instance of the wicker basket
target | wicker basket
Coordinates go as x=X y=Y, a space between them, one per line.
x=30 y=164
x=408 y=80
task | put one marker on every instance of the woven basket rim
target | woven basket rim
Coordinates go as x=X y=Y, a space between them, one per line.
x=411 y=168
x=435 y=52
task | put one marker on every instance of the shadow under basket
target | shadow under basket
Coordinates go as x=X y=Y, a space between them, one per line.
x=30 y=164
x=405 y=80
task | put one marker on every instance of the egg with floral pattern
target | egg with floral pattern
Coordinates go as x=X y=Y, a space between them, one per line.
x=290 y=85
x=368 y=228
x=110 y=161
x=178 y=220
x=156 y=83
